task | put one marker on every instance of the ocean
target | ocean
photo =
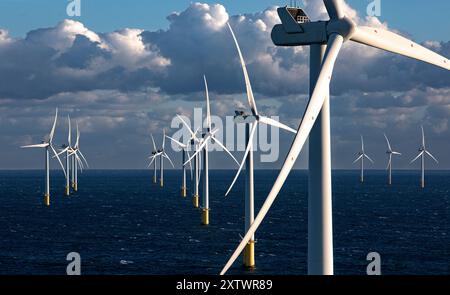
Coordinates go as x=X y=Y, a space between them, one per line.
x=121 y=223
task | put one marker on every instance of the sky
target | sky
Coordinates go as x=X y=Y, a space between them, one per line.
x=123 y=69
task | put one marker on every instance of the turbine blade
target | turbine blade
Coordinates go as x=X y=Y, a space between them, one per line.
x=390 y=162
x=334 y=8
x=388 y=143
x=247 y=151
x=52 y=132
x=41 y=145
x=395 y=43
x=151 y=162
x=164 y=139
x=415 y=159
x=396 y=153
x=182 y=145
x=272 y=122
x=208 y=107
x=225 y=149
x=357 y=159
x=199 y=149
x=312 y=111
x=59 y=160
x=69 y=139
x=190 y=163
x=77 y=143
x=362 y=144
x=369 y=158
x=248 y=86
x=153 y=141
x=423 y=137
x=429 y=154
x=168 y=158
x=188 y=128
x=81 y=154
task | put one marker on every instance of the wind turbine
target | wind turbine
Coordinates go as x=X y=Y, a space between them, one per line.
x=208 y=137
x=46 y=144
x=422 y=152
x=154 y=158
x=185 y=151
x=251 y=124
x=77 y=159
x=326 y=39
x=67 y=148
x=195 y=142
x=163 y=155
x=361 y=155
x=390 y=153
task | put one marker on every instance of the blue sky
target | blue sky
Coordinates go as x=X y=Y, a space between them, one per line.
x=424 y=20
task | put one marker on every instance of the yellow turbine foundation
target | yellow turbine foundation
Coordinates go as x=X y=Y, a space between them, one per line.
x=183 y=192
x=67 y=191
x=75 y=187
x=205 y=216
x=195 y=201
x=249 y=255
x=47 y=200
x=154 y=179
x=161 y=183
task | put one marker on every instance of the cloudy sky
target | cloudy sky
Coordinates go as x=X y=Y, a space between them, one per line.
x=124 y=70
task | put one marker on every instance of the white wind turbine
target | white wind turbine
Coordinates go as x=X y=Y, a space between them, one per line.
x=185 y=151
x=326 y=39
x=46 y=144
x=208 y=137
x=78 y=159
x=154 y=158
x=422 y=152
x=361 y=155
x=251 y=124
x=66 y=148
x=163 y=155
x=195 y=143
x=390 y=152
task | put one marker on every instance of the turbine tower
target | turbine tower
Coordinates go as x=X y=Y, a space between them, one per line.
x=195 y=143
x=185 y=151
x=154 y=158
x=422 y=152
x=78 y=159
x=390 y=153
x=326 y=39
x=361 y=155
x=46 y=144
x=251 y=124
x=66 y=148
x=163 y=155
x=208 y=137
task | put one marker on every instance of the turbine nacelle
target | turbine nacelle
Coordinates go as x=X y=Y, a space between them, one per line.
x=295 y=31
x=242 y=117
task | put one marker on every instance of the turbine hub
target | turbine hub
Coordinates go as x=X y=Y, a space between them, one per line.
x=344 y=27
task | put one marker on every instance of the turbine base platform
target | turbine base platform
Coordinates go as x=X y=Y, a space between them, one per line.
x=47 y=200
x=249 y=255
x=195 y=201
x=154 y=179
x=183 y=192
x=75 y=187
x=205 y=216
x=67 y=191
x=161 y=183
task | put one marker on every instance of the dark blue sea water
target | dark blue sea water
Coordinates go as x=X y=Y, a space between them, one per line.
x=121 y=223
